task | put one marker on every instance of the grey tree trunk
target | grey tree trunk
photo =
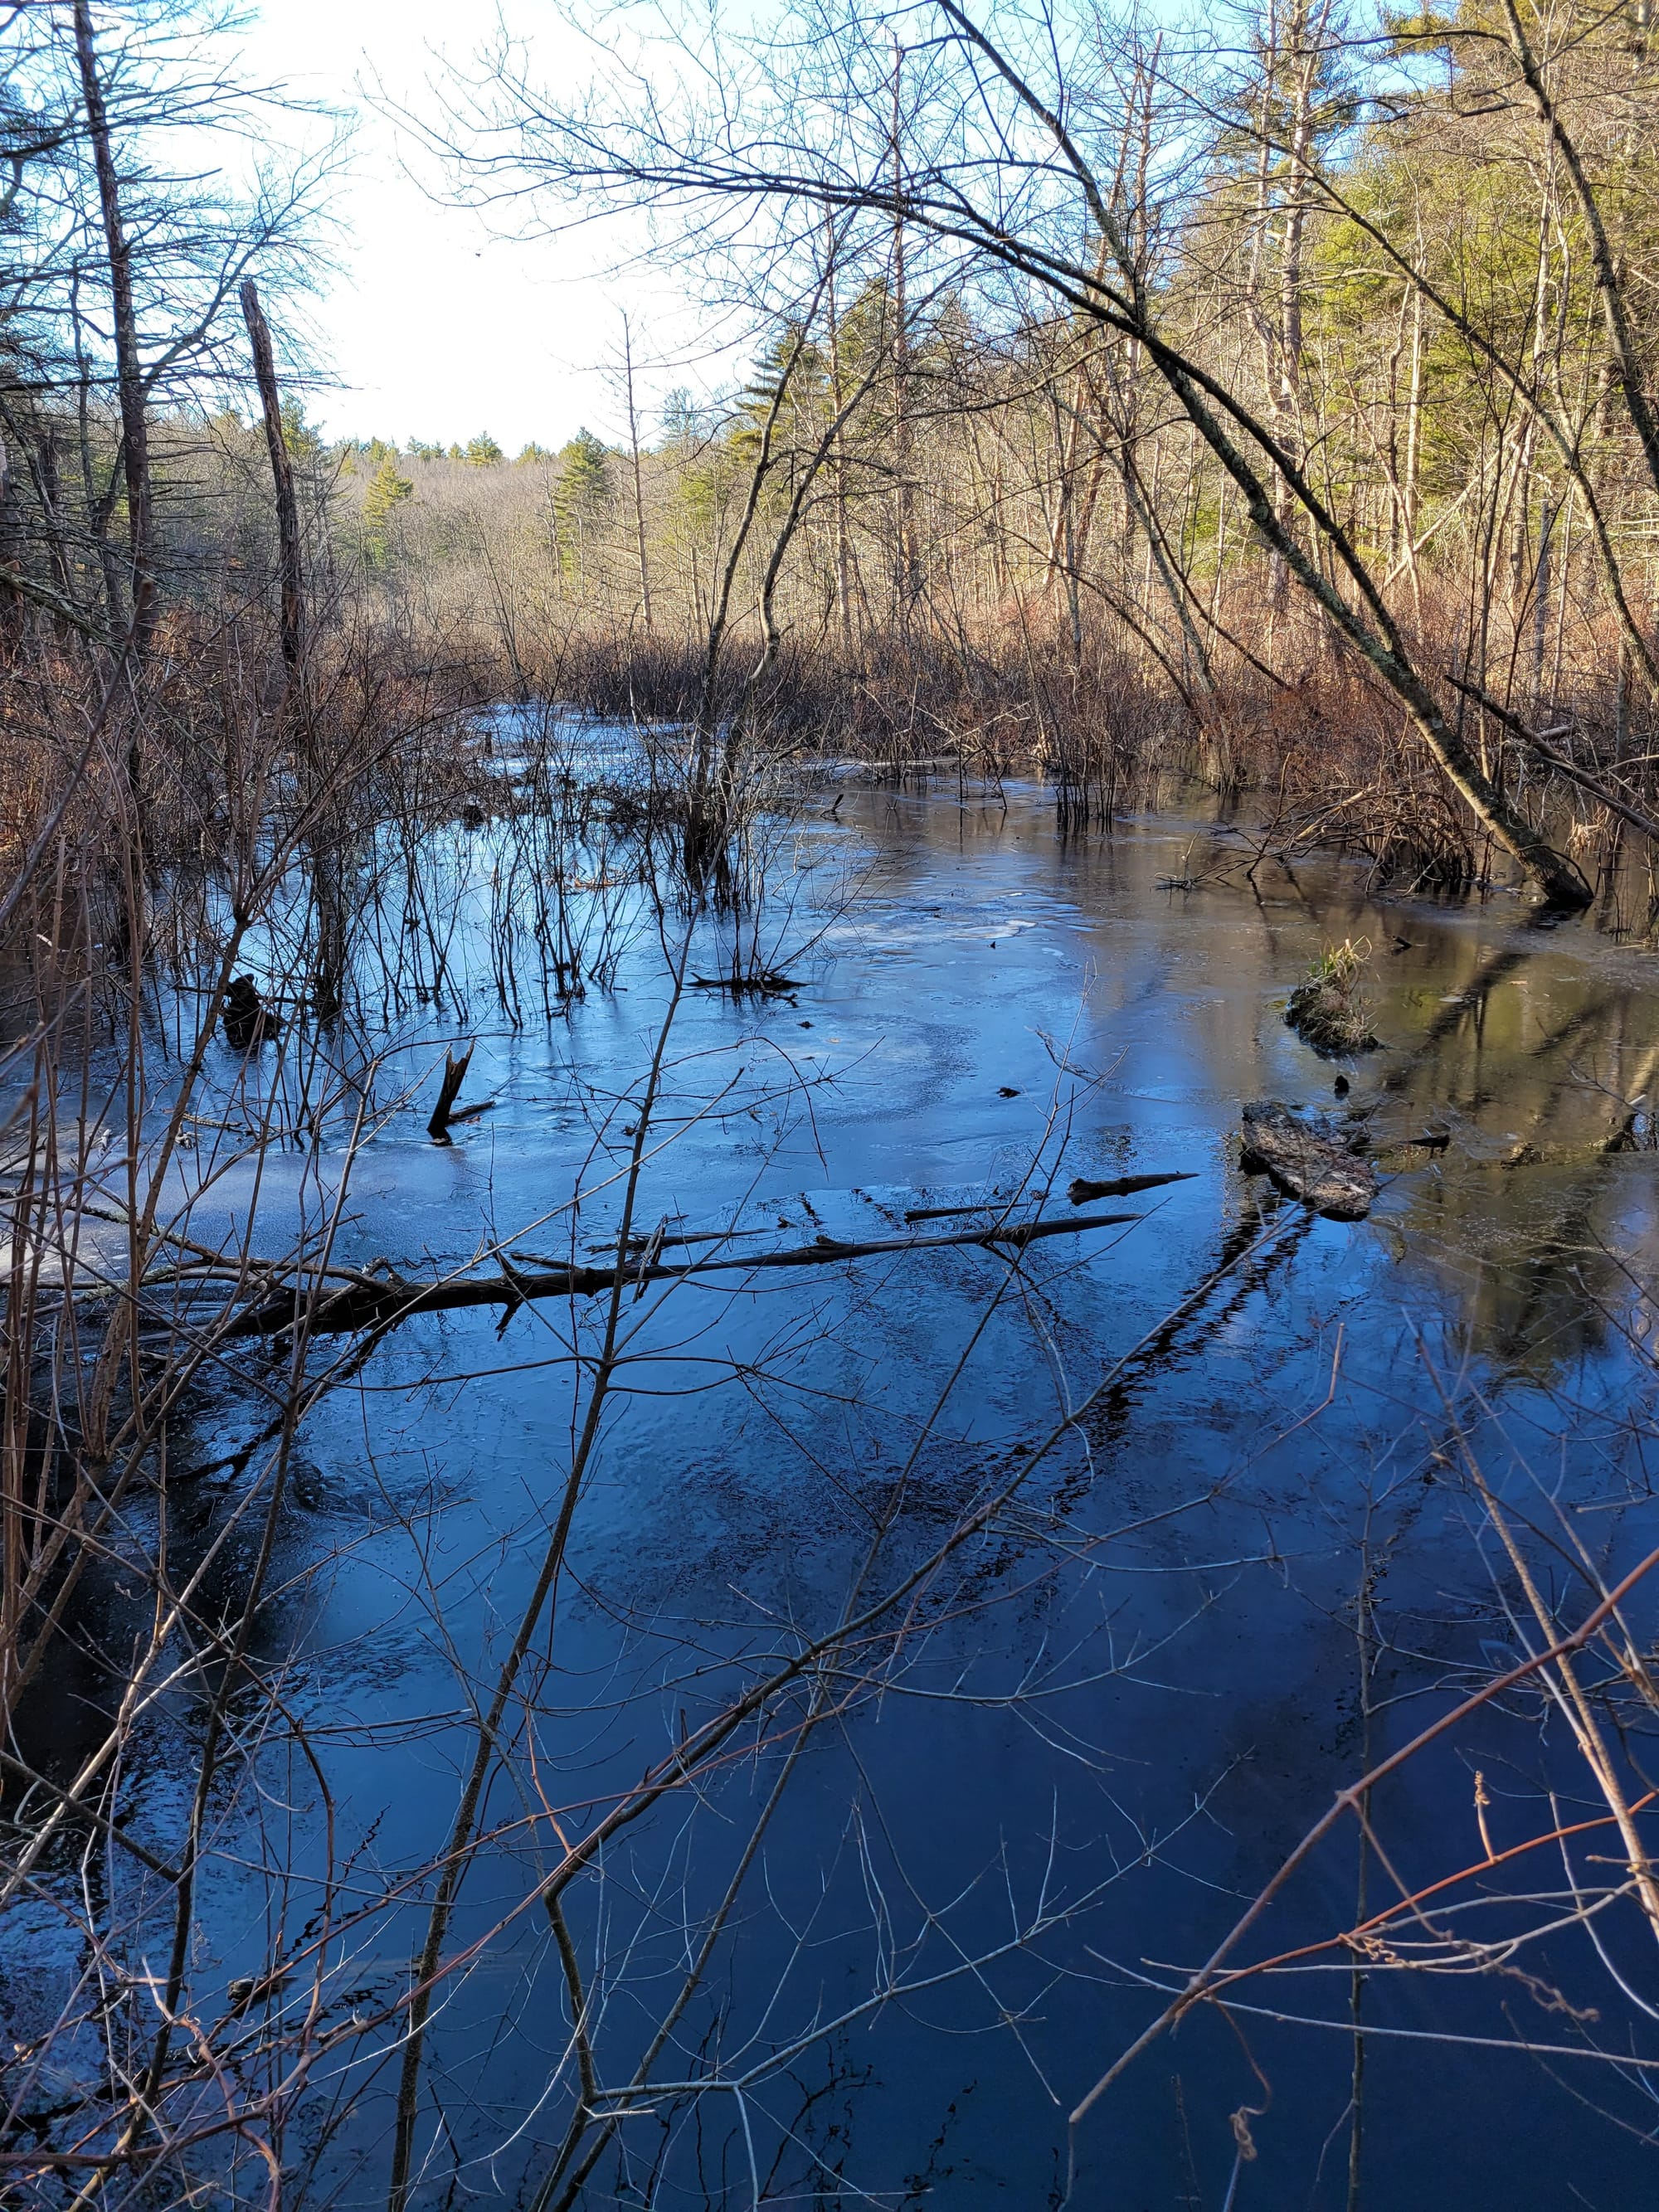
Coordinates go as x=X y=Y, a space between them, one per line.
x=128 y=370
x=281 y=470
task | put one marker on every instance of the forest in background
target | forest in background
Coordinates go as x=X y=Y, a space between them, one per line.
x=964 y=506
x=1265 y=407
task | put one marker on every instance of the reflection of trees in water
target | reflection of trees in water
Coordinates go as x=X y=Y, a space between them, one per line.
x=1534 y=1193
x=905 y=1750
x=1240 y=1272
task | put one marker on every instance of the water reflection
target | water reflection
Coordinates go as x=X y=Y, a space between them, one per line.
x=1255 y=1562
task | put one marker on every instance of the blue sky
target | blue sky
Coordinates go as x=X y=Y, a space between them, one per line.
x=435 y=328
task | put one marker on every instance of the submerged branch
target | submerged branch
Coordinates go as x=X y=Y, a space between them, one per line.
x=380 y=1305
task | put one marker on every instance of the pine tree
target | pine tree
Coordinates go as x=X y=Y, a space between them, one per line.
x=483 y=451
x=386 y=492
x=580 y=491
x=302 y=441
x=584 y=478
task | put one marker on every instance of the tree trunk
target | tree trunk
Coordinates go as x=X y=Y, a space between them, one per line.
x=843 y=544
x=281 y=470
x=907 y=555
x=638 y=489
x=130 y=381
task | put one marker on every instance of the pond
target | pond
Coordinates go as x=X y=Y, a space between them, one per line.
x=991 y=1621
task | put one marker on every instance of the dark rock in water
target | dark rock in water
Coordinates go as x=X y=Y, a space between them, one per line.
x=248 y=1021
x=1341 y=1086
x=473 y=817
x=1307 y=1159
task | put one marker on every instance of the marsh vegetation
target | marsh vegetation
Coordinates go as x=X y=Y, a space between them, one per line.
x=679 y=1523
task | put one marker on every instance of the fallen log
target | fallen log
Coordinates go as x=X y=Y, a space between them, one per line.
x=1083 y=1192
x=364 y=1304
x=765 y=982
x=1307 y=1159
x=639 y=1244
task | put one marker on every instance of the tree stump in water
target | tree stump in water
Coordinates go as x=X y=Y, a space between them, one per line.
x=1307 y=1159
x=246 y=1019
x=455 y=1068
x=1327 y=1011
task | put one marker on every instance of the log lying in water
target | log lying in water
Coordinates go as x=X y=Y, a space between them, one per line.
x=1083 y=1192
x=379 y=1305
x=1308 y=1160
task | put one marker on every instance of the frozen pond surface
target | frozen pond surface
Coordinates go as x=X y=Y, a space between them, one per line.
x=1258 y=1563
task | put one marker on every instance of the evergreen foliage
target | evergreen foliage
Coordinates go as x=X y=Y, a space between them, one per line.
x=387 y=491
x=303 y=439
x=584 y=482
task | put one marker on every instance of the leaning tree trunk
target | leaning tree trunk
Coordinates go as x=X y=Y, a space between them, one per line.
x=1275 y=490
x=281 y=470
